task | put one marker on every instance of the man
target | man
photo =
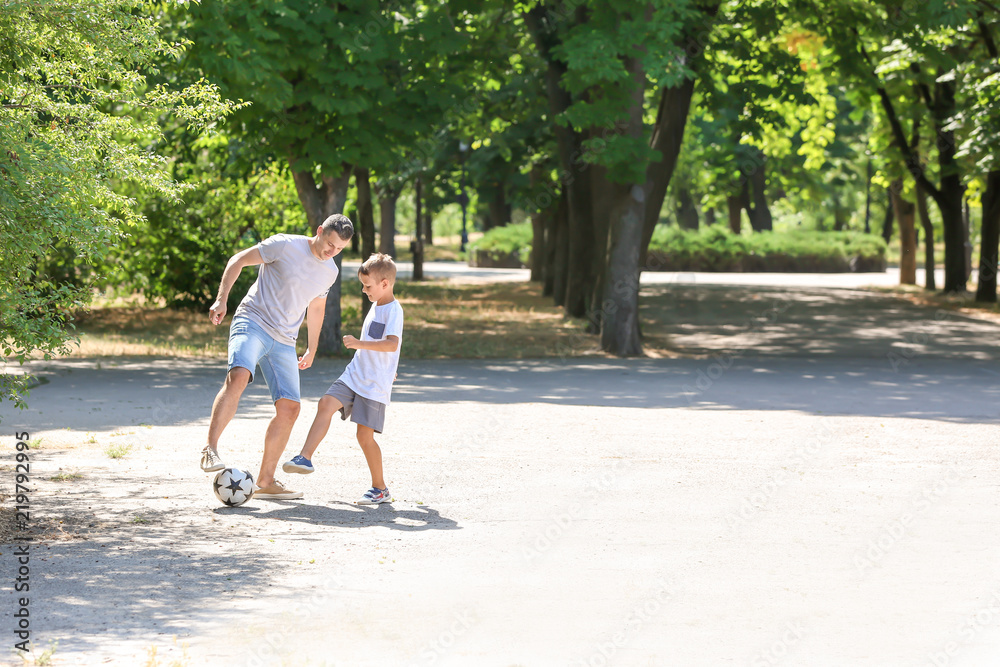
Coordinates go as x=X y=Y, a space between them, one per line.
x=296 y=273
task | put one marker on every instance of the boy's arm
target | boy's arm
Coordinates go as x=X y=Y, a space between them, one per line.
x=387 y=344
x=248 y=257
x=314 y=324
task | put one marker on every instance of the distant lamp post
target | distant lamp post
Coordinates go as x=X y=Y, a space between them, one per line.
x=463 y=199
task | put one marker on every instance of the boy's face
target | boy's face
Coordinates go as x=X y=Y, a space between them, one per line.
x=373 y=288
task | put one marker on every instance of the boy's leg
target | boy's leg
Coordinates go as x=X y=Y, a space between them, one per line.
x=328 y=406
x=286 y=412
x=373 y=455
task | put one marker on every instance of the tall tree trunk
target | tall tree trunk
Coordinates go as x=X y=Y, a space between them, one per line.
x=560 y=264
x=602 y=197
x=620 y=306
x=551 y=221
x=366 y=223
x=734 y=204
x=950 y=203
x=538 y=228
x=759 y=212
x=925 y=222
x=498 y=209
x=428 y=227
x=668 y=134
x=907 y=237
x=986 y=291
x=620 y=311
x=417 y=244
x=710 y=216
x=687 y=212
x=889 y=221
x=538 y=251
x=320 y=201
x=387 y=196
x=579 y=278
x=868 y=197
x=949 y=195
x=967 y=234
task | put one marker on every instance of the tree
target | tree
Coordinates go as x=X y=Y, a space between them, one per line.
x=78 y=118
x=334 y=87
x=893 y=48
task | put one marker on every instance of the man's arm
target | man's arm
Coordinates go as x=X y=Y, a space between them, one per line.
x=314 y=324
x=248 y=257
x=388 y=344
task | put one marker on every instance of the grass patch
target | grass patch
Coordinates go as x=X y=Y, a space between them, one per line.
x=118 y=450
x=35 y=443
x=443 y=320
x=65 y=477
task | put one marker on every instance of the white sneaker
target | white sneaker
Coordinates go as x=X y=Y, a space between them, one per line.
x=375 y=496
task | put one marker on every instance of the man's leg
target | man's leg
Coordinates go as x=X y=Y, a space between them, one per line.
x=373 y=455
x=276 y=437
x=328 y=406
x=224 y=407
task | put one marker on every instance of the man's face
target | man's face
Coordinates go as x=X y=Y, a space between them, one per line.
x=328 y=245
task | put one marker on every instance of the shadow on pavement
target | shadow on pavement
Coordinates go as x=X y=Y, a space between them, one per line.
x=347 y=514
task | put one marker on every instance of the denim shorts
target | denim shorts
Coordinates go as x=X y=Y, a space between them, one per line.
x=250 y=346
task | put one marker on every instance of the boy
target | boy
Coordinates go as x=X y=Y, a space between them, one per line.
x=362 y=392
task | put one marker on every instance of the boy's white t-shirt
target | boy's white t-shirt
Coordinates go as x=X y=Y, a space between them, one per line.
x=371 y=374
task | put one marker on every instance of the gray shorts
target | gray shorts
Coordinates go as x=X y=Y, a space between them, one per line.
x=361 y=410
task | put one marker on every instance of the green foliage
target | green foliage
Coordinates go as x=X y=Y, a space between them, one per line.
x=179 y=252
x=508 y=241
x=715 y=248
x=355 y=82
x=77 y=120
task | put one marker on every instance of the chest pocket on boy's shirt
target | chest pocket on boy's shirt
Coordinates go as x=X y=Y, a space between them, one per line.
x=376 y=330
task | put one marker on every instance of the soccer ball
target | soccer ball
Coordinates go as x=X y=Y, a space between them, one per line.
x=233 y=487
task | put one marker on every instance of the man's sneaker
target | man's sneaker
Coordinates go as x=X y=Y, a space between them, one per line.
x=210 y=461
x=277 y=491
x=375 y=496
x=299 y=464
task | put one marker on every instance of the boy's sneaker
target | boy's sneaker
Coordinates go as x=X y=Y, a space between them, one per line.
x=375 y=496
x=210 y=461
x=276 y=491
x=299 y=464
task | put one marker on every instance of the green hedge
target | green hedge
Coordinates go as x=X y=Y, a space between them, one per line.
x=507 y=246
x=715 y=248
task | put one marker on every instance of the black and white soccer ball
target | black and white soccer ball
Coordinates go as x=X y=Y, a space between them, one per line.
x=233 y=486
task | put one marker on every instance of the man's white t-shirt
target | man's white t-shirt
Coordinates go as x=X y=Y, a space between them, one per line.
x=370 y=374
x=290 y=277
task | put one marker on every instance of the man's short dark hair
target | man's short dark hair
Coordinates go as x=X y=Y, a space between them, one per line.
x=340 y=224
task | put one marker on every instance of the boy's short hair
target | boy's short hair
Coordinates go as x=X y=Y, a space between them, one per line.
x=380 y=267
x=337 y=223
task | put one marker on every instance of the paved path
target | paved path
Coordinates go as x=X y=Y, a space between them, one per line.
x=779 y=497
x=461 y=272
